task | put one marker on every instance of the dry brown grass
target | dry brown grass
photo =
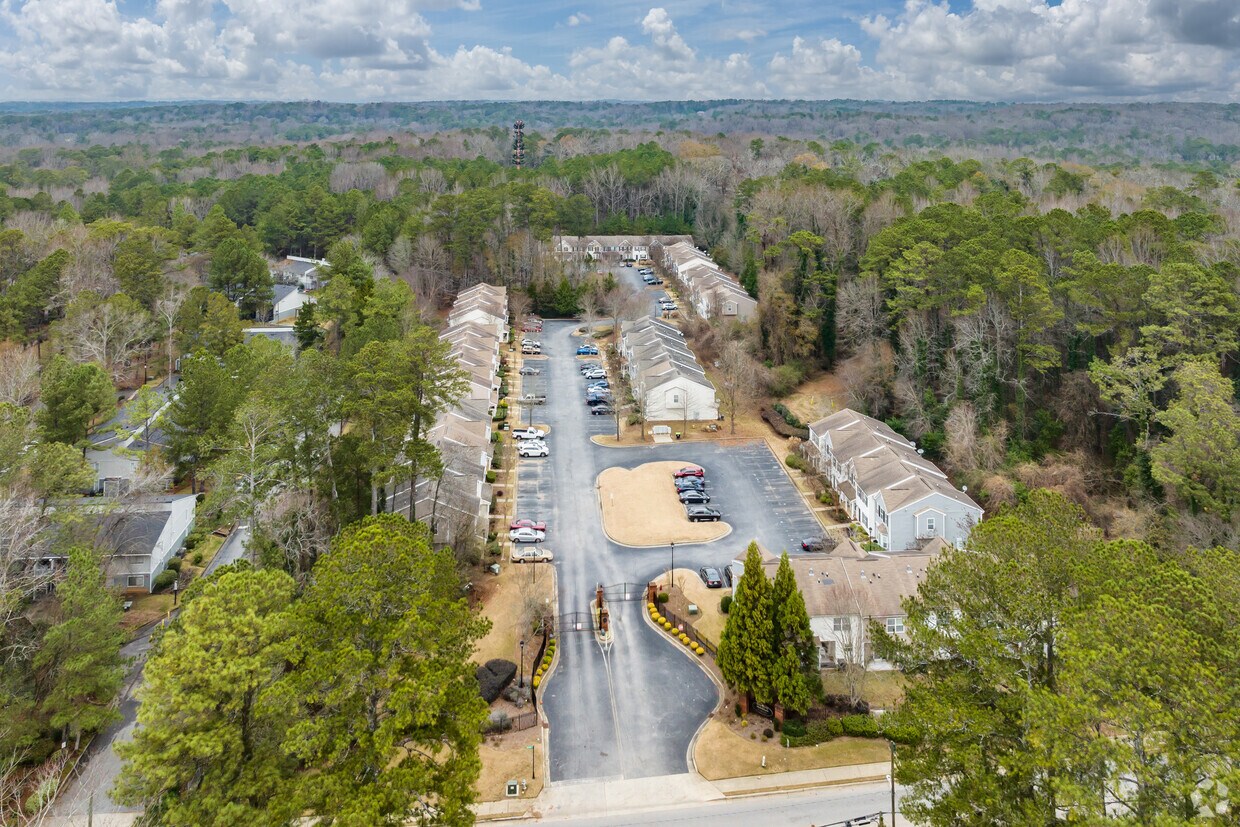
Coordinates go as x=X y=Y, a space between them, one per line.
x=722 y=753
x=818 y=397
x=880 y=689
x=507 y=601
x=507 y=757
x=146 y=608
x=709 y=621
x=661 y=518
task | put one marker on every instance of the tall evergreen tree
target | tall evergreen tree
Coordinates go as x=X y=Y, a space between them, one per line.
x=389 y=711
x=207 y=748
x=307 y=330
x=745 y=650
x=73 y=395
x=81 y=652
x=794 y=670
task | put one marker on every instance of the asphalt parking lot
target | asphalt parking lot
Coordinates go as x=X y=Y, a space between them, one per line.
x=631 y=711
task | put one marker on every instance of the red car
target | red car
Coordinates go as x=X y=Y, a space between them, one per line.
x=537 y=525
x=689 y=471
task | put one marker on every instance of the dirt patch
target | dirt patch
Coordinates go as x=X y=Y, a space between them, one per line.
x=818 y=397
x=722 y=752
x=507 y=758
x=880 y=689
x=660 y=519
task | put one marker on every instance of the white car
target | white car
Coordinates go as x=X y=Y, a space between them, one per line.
x=596 y=374
x=529 y=433
x=532 y=555
x=533 y=449
x=526 y=535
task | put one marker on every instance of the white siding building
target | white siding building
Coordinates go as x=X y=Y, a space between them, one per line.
x=665 y=376
x=612 y=247
x=712 y=292
x=884 y=483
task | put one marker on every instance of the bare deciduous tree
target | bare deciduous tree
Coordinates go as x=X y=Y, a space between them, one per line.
x=739 y=379
x=19 y=374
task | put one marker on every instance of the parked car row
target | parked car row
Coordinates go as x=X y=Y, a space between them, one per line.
x=532 y=324
x=690 y=484
x=532 y=442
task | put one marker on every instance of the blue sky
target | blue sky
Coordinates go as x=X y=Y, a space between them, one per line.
x=356 y=50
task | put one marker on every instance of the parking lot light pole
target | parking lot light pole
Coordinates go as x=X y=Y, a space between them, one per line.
x=672 y=569
x=521 y=668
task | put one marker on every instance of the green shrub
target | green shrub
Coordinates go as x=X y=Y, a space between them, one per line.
x=794 y=729
x=738 y=710
x=164 y=579
x=785 y=378
x=493 y=549
x=901 y=734
x=496 y=436
x=795 y=461
x=860 y=726
x=662 y=597
x=768 y=733
x=174 y=564
x=789 y=417
x=490 y=476
x=497 y=461
x=725 y=603
x=197 y=558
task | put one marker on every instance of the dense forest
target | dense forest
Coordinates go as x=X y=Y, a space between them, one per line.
x=1127 y=134
x=1031 y=321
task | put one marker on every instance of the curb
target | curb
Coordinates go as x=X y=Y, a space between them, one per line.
x=598 y=499
x=809 y=785
x=739 y=439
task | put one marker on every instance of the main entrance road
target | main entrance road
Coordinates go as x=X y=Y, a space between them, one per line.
x=630 y=711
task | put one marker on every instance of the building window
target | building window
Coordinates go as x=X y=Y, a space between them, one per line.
x=895 y=625
x=930 y=524
x=135 y=581
x=826 y=651
x=839 y=624
x=675 y=399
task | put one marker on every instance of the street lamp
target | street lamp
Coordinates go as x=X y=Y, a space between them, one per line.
x=521 y=668
x=673 y=567
x=891 y=746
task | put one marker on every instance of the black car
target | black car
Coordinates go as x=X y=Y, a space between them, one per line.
x=711 y=577
x=602 y=410
x=685 y=483
x=702 y=514
x=692 y=496
x=598 y=399
x=813 y=544
x=727 y=575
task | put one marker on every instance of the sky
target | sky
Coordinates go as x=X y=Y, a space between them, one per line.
x=412 y=50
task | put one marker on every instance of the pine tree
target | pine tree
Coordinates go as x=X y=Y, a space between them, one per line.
x=81 y=653
x=207 y=747
x=389 y=711
x=306 y=328
x=745 y=651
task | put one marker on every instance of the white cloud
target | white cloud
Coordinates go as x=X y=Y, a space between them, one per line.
x=385 y=49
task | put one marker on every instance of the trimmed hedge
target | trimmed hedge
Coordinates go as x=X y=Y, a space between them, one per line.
x=788 y=415
x=164 y=579
x=860 y=726
x=725 y=603
x=781 y=427
x=174 y=564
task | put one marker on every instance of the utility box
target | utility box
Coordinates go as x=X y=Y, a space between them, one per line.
x=493 y=568
x=512 y=789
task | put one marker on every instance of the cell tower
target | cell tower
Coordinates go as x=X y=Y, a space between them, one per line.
x=518 y=144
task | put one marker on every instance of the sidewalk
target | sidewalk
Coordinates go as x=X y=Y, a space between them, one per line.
x=591 y=798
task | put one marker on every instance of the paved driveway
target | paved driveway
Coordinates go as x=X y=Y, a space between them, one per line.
x=631 y=712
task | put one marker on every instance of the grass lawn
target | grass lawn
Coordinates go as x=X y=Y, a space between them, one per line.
x=208 y=547
x=506 y=758
x=723 y=753
x=882 y=690
x=146 y=608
